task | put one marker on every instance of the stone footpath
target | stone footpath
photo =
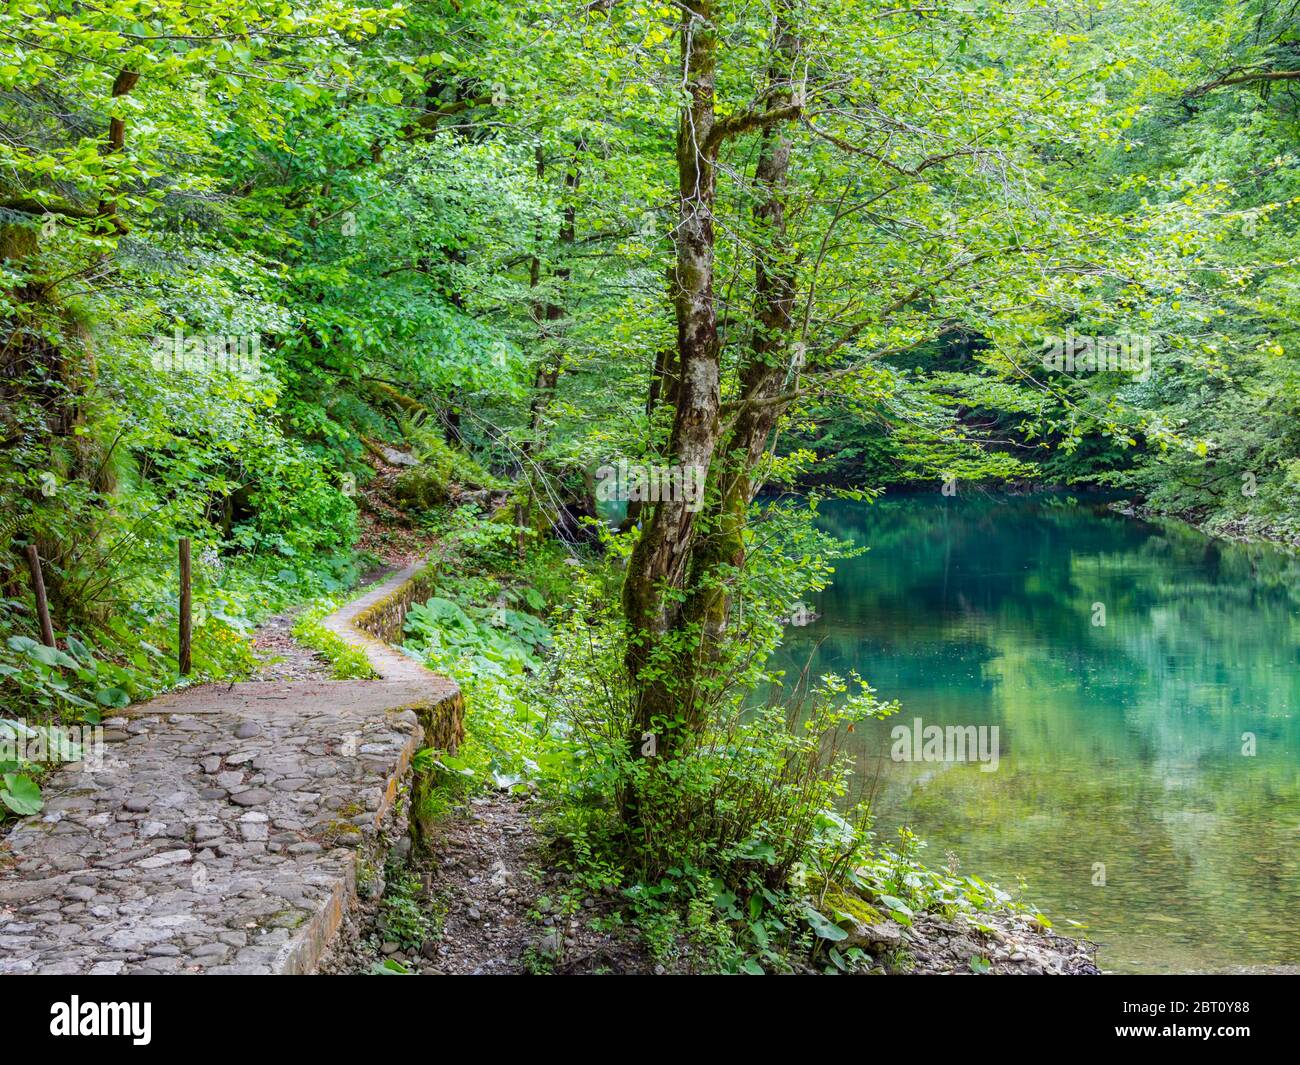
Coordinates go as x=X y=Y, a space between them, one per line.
x=225 y=829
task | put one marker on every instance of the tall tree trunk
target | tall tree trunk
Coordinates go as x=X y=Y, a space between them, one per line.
x=122 y=84
x=660 y=561
x=672 y=599
x=764 y=371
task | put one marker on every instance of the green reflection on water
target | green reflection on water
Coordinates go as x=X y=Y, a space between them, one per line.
x=1119 y=744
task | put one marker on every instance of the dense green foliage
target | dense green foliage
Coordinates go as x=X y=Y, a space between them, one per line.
x=270 y=275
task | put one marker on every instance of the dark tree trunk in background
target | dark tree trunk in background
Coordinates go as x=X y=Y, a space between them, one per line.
x=548 y=315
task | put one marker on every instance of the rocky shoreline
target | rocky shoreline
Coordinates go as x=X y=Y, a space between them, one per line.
x=1016 y=946
x=1243 y=530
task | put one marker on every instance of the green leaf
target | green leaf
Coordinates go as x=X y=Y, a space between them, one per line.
x=80 y=651
x=51 y=656
x=897 y=905
x=757 y=850
x=822 y=925
x=21 y=794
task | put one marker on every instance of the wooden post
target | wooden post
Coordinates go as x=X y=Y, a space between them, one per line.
x=184 y=652
x=38 y=587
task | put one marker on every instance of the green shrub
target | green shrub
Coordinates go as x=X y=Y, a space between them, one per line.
x=347 y=661
x=403 y=918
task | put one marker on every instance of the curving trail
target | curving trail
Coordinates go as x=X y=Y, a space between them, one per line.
x=223 y=829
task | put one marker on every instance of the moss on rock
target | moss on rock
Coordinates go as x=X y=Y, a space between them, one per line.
x=441 y=466
x=837 y=902
x=422 y=487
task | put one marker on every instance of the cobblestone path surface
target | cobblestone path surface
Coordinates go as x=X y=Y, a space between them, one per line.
x=219 y=832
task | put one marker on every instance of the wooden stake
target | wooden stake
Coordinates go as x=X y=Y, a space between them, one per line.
x=38 y=587
x=185 y=632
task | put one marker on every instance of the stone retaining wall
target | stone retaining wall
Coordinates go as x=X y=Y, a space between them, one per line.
x=374 y=622
x=384 y=618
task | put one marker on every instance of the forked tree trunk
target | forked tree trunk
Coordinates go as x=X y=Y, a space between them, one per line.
x=673 y=606
x=764 y=371
x=660 y=561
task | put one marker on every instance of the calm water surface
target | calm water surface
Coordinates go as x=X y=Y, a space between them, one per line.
x=1120 y=744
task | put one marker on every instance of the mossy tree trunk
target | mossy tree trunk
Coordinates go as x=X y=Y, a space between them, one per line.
x=671 y=598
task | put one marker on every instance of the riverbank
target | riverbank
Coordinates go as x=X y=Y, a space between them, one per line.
x=532 y=877
x=1240 y=529
x=518 y=875
x=489 y=899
